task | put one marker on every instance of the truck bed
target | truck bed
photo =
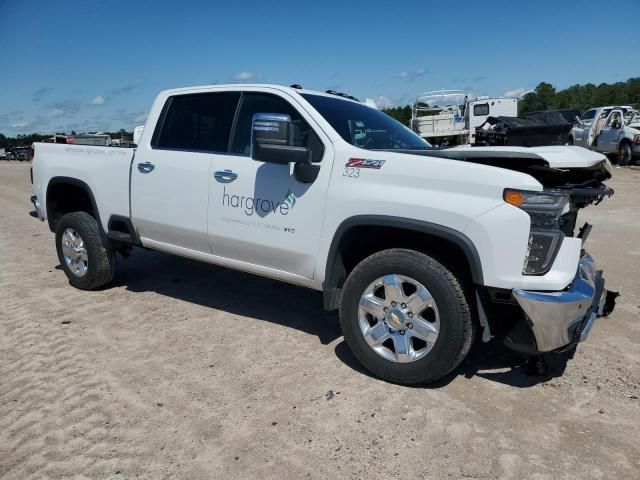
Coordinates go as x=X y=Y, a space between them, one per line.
x=104 y=169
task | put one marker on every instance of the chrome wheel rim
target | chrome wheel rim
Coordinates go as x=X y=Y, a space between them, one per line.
x=399 y=318
x=74 y=252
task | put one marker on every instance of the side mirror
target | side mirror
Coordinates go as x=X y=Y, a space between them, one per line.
x=271 y=135
x=271 y=142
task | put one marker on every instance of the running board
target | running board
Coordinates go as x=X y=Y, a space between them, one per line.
x=120 y=237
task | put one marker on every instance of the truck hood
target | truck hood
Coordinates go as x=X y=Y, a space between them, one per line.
x=552 y=166
x=567 y=156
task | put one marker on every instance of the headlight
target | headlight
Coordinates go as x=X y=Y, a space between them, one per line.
x=545 y=237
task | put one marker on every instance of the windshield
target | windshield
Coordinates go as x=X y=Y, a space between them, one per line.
x=365 y=127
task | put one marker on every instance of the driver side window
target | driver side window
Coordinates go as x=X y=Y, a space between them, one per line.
x=252 y=103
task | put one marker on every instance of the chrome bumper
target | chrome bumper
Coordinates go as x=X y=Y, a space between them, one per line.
x=558 y=319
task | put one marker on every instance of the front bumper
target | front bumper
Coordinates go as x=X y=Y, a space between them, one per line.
x=560 y=319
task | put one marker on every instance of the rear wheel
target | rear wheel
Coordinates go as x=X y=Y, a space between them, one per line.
x=625 y=154
x=87 y=263
x=405 y=317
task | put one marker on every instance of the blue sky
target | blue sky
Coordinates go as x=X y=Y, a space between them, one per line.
x=90 y=65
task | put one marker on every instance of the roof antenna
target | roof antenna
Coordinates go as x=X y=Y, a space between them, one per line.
x=296 y=86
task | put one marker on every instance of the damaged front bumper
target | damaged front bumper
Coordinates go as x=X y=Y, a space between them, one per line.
x=561 y=319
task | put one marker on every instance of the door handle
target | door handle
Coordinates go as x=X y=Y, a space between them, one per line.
x=225 y=176
x=146 y=167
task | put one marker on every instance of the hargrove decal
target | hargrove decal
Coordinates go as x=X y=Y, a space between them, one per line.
x=261 y=206
x=364 y=163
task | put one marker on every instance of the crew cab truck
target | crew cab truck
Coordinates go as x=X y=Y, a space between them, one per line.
x=417 y=248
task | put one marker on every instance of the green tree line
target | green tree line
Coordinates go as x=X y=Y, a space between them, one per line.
x=546 y=97
x=581 y=97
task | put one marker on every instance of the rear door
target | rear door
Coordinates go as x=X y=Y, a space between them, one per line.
x=258 y=212
x=170 y=176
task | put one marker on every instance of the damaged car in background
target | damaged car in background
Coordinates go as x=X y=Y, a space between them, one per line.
x=613 y=131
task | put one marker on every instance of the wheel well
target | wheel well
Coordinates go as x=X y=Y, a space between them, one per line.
x=65 y=197
x=358 y=242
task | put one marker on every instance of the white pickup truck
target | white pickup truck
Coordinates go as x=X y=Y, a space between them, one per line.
x=418 y=248
x=609 y=130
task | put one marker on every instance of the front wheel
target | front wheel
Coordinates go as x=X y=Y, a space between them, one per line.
x=87 y=263
x=625 y=154
x=405 y=317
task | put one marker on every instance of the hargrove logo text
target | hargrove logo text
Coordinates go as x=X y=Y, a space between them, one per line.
x=261 y=206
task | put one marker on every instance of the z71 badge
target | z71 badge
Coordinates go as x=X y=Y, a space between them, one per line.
x=364 y=163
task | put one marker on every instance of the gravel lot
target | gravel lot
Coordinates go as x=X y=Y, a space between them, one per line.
x=185 y=370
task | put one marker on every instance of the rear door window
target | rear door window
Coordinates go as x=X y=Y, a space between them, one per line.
x=200 y=122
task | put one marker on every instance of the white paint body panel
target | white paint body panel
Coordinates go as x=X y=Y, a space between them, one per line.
x=104 y=169
x=178 y=207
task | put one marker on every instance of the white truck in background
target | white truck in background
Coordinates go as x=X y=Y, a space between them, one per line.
x=614 y=131
x=450 y=117
x=418 y=248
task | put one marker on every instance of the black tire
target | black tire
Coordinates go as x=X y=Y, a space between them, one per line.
x=570 y=141
x=456 y=326
x=625 y=154
x=101 y=261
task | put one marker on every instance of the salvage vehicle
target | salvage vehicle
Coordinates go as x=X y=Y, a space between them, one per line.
x=540 y=129
x=418 y=248
x=449 y=118
x=614 y=131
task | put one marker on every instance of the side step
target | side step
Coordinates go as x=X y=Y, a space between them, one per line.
x=120 y=237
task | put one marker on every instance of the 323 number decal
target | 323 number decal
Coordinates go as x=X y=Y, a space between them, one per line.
x=351 y=172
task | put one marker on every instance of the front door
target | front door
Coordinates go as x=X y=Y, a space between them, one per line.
x=170 y=176
x=258 y=212
x=610 y=132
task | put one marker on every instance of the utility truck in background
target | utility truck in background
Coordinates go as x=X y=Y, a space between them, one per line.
x=450 y=117
x=418 y=248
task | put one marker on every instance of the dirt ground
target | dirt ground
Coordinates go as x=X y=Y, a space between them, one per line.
x=186 y=370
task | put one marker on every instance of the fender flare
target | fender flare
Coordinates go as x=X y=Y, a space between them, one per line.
x=82 y=185
x=446 y=233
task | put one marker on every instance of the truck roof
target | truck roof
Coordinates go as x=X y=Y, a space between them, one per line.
x=239 y=86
